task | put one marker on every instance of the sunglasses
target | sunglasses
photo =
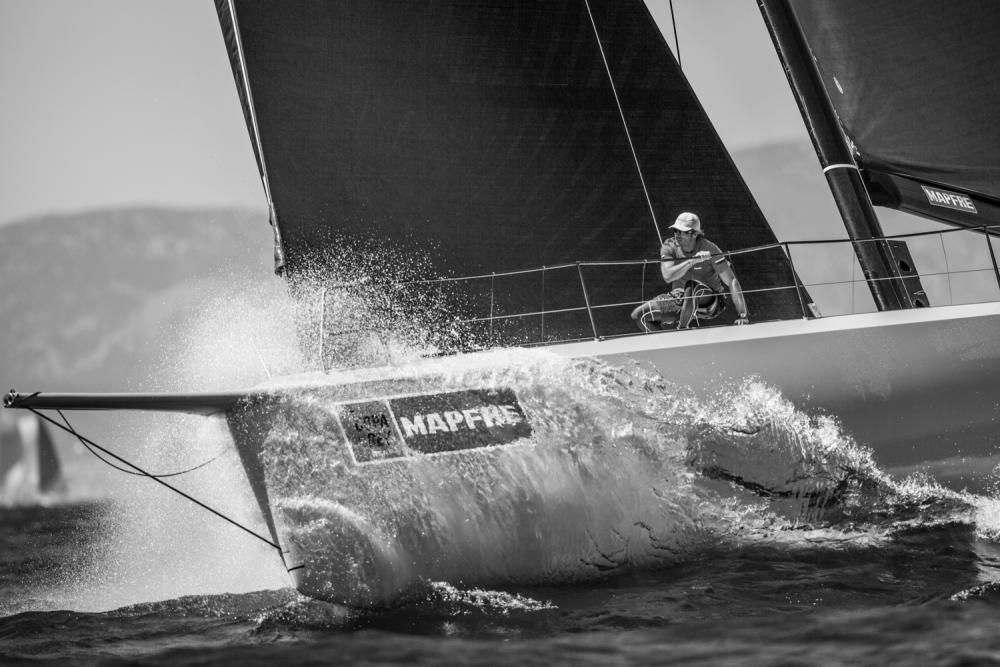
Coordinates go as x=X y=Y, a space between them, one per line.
x=678 y=232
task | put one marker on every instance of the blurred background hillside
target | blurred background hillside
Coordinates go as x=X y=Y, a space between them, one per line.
x=93 y=301
x=108 y=300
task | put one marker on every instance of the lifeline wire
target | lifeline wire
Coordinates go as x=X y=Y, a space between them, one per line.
x=621 y=112
x=944 y=252
x=103 y=460
x=71 y=431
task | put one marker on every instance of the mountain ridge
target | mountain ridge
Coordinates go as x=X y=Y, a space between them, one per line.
x=86 y=295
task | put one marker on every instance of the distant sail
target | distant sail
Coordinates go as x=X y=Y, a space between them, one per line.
x=30 y=468
x=916 y=89
x=50 y=476
x=12 y=452
x=491 y=137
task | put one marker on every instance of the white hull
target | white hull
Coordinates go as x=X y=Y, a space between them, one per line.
x=917 y=386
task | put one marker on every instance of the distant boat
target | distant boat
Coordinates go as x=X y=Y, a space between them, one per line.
x=492 y=175
x=30 y=470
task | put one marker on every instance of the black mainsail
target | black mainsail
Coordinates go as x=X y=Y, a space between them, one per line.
x=491 y=136
x=914 y=85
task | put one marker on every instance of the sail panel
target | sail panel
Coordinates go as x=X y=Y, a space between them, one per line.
x=488 y=137
x=914 y=86
x=50 y=475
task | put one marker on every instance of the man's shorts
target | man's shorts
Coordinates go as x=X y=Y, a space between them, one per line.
x=680 y=301
x=668 y=303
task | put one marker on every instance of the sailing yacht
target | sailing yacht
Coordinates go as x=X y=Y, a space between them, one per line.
x=494 y=180
x=30 y=469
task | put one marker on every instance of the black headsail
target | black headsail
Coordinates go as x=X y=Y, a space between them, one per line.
x=489 y=137
x=916 y=90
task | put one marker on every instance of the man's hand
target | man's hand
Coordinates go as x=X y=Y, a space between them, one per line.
x=740 y=321
x=702 y=254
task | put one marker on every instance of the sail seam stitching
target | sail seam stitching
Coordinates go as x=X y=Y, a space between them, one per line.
x=621 y=113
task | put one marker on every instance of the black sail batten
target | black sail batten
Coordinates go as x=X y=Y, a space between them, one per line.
x=485 y=137
x=914 y=87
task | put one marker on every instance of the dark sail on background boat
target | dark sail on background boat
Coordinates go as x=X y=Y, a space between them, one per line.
x=29 y=464
x=491 y=137
x=913 y=85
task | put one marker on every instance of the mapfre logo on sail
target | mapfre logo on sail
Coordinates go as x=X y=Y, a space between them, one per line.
x=951 y=200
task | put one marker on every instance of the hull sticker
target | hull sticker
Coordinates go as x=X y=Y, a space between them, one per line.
x=432 y=423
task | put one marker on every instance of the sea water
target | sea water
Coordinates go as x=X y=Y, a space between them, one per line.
x=641 y=525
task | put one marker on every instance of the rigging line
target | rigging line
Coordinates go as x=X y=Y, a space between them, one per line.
x=854 y=278
x=253 y=114
x=677 y=44
x=154 y=478
x=69 y=428
x=621 y=112
x=947 y=271
x=543 y=301
x=260 y=358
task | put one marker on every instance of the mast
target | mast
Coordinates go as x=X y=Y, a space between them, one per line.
x=835 y=156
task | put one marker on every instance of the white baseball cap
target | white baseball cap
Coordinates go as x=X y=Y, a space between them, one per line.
x=686 y=222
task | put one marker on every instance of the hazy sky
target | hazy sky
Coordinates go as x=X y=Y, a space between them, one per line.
x=125 y=102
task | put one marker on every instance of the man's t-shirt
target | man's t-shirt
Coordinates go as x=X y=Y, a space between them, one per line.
x=706 y=271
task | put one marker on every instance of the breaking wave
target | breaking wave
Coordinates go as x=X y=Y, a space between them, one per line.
x=624 y=471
